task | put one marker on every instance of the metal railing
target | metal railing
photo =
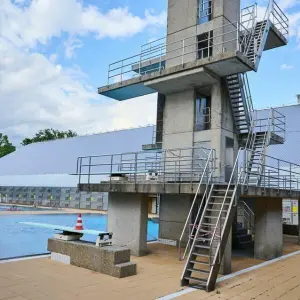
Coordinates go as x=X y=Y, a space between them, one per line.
x=279 y=20
x=173 y=165
x=173 y=50
x=275 y=122
x=246 y=216
x=274 y=173
x=215 y=242
x=248 y=19
x=206 y=178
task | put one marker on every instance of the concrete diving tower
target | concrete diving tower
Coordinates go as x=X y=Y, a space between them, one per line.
x=197 y=56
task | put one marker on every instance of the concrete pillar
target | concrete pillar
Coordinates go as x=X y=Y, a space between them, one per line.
x=173 y=212
x=127 y=220
x=225 y=267
x=268 y=243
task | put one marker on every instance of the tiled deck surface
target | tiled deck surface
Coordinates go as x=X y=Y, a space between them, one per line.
x=158 y=275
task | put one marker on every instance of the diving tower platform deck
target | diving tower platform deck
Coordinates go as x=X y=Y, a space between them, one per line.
x=197 y=74
x=183 y=188
x=167 y=67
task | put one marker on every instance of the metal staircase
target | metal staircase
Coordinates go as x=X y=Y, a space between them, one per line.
x=209 y=232
x=238 y=85
x=241 y=102
x=257 y=42
x=209 y=235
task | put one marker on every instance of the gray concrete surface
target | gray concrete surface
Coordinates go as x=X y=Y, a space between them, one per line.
x=173 y=212
x=110 y=260
x=127 y=220
x=268 y=240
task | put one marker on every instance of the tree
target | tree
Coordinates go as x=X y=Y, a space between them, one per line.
x=48 y=135
x=5 y=146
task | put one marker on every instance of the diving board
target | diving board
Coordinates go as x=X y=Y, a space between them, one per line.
x=69 y=233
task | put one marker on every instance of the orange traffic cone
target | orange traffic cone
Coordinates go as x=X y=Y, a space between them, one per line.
x=79 y=223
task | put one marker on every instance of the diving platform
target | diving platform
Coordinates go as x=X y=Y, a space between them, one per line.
x=173 y=63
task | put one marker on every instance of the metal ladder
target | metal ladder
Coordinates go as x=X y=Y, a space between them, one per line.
x=209 y=236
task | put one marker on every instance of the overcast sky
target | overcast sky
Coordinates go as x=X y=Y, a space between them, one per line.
x=55 y=53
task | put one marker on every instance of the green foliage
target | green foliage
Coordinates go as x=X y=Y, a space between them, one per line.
x=48 y=135
x=5 y=146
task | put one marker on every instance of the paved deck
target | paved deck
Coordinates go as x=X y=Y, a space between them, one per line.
x=158 y=276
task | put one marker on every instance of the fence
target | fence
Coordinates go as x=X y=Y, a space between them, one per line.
x=65 y=197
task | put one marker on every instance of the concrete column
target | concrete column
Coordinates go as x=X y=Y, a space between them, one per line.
x=173 y=212
x=268 y=243
x=127 y=220
x=225 y=267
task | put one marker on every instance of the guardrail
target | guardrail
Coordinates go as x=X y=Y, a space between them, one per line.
x=279 y=19
x=273 y=172
x=275 y=122
x=173 y=165
x=174 y=50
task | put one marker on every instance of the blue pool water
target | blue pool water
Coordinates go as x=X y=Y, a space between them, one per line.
x=19 y=240
x=21 y=208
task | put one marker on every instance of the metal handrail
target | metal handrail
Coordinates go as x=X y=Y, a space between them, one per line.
x=250 y=219
x=177 y=49
x=210 y=162
x=234 y=170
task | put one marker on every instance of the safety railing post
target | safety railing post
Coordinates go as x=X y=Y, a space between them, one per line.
x=111 y=169
x=135 y=170
x=278 y=174
x=89 y=175
x=290 y=177
x=80 y=166
x=160 y=58
x=183 y=51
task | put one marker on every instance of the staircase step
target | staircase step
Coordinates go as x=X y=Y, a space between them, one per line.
x=202 y=247
x=244 y=238
x=200 y=254
x=215 y=210
x=204 y=281
x=213 y=217
x=199 y=262
x=198 y=270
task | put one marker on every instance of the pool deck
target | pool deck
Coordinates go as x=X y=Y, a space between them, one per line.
x=158 y=276
x=48 y=211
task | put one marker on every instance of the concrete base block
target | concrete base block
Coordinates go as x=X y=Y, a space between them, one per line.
x=110 y=260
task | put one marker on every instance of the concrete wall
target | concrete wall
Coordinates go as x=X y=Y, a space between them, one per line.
x=127 y=220
x=178 y=124
x=181 y=15
x=173 y=212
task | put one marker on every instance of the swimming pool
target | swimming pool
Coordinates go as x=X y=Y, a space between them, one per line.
x=21 y=208
x=20 y=240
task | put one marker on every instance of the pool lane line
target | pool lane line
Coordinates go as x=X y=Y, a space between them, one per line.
x=232 y=275
x=20 y=258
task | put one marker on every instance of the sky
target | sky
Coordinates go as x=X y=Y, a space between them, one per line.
x=54 y=54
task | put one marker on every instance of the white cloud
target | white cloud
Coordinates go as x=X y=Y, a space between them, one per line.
x=36 y=92
x=42 y=20
x=286 y=67
x=71 y=44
